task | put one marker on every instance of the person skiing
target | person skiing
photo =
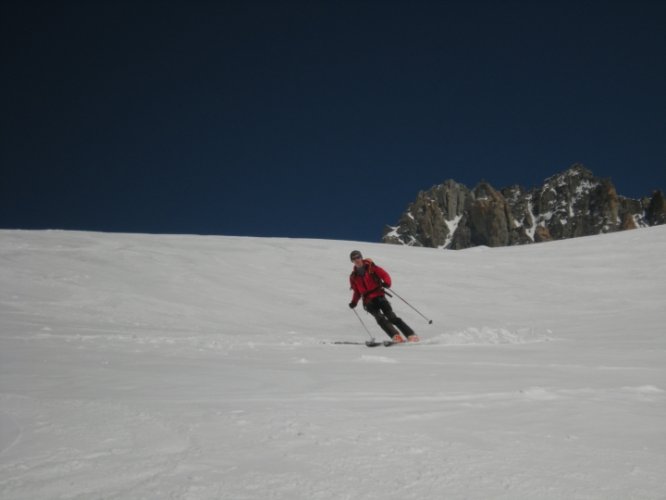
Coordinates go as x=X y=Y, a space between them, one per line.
x=368 y=281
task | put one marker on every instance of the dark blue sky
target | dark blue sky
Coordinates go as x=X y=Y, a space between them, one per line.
x=315 y=119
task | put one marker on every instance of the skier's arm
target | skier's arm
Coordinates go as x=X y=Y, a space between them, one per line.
x=356 y=296
x=384 y=276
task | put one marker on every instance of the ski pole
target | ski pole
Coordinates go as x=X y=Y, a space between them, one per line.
x=398 y=295
x=366 y=328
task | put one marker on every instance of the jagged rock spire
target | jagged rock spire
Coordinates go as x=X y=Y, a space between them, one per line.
x=569 y=204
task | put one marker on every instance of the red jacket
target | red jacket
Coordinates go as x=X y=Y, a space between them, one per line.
x=368 y=285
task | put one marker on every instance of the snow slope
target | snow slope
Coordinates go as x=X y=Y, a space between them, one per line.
x=188 y=367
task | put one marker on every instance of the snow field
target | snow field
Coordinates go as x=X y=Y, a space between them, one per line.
x=185 y=367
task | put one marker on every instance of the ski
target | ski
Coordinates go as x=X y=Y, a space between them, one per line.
x=368 y=343
x=389 y=343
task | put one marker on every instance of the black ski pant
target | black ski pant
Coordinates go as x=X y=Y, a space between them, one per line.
x=382 y=311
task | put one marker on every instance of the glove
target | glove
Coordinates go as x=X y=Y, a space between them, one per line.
x=385 y=285
x=352 y=305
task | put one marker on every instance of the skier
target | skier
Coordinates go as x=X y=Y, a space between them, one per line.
x=368 y=281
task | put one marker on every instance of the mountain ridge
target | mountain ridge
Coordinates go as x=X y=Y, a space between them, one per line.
x=569 y=204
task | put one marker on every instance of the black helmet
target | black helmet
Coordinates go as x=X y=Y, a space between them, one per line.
x=355 y=255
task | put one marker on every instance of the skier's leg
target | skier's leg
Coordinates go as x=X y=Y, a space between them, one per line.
x=373 y=307
x=386 y=308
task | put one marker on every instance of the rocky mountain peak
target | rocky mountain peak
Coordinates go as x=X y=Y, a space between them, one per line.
x=569 y=204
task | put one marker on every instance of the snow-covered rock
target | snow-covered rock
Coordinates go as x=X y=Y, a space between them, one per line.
x=570 y=204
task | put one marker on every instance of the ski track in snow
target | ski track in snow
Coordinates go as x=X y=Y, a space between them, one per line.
x=199 y=368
